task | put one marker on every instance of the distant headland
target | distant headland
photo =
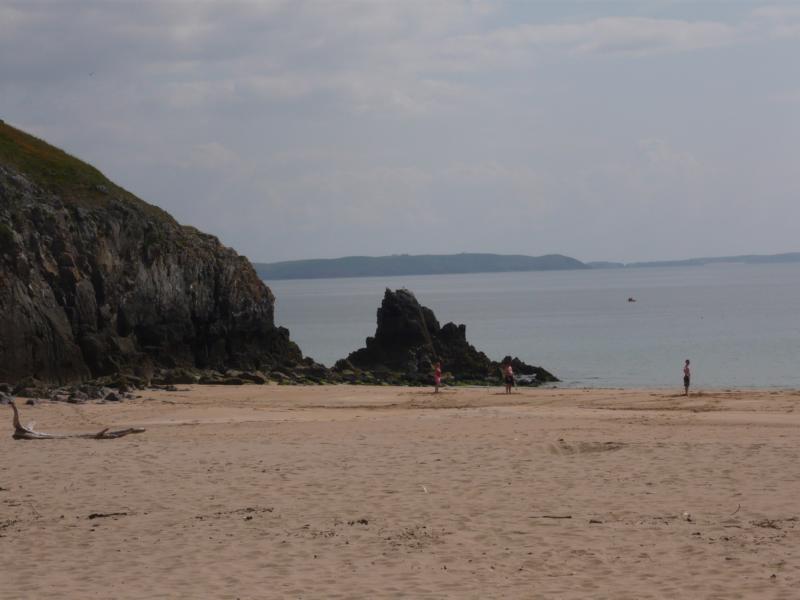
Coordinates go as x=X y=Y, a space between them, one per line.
x=442 y=264
x=750 y=259
x=408 y=264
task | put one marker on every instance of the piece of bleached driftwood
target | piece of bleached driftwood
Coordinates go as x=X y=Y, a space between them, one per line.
x=27 y=433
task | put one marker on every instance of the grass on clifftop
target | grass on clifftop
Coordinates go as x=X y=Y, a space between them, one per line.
x=73 y=180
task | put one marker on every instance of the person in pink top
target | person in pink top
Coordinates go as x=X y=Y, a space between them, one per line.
x=437 y=377
x=687 y=375
x=508 y=376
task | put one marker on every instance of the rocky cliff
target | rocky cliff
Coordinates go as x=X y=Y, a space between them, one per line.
x=94 y=281
x=409 y=340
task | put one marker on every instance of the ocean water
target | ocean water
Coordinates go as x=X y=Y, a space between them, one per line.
x=738 y=324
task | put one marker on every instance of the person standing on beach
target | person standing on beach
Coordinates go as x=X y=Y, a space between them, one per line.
x=437 y=377
x=687 y=375
x=508 y=376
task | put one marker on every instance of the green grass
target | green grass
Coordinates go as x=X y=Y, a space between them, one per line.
x=73 y=180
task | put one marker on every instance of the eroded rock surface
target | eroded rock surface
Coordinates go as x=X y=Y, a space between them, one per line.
x=94 y=281
x=409 y=340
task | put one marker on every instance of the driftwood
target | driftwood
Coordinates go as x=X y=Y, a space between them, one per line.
x=105 y=515
x=27 y=433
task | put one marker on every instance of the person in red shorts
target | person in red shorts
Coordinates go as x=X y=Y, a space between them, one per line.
x=437 y=377
x=508 y=377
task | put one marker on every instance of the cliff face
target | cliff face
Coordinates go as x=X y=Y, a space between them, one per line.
x=94 y=281
x=409 y=340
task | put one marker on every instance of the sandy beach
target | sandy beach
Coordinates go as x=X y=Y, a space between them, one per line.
x=384 y=492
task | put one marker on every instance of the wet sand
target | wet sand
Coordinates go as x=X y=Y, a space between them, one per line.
x=380 y=492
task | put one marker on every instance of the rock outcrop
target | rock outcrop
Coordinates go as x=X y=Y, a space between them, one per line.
x=94 y=281
x=409 y=340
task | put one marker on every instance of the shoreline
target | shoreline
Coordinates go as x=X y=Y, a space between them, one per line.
x=388 y=492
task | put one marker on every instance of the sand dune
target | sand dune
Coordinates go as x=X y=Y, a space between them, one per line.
x=379 y=492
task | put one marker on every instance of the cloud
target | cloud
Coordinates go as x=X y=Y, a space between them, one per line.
x=403 y=57
x=780 y=21
x=634 y=36
x=12 y=18
x=209 y=155
x=660 y=155
x=412 y=125
x=786 y=97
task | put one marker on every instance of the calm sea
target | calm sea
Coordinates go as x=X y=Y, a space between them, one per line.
x=739 y=324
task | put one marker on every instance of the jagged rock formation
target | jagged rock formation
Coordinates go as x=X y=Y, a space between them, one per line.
x=409 y=340
x=94 y=281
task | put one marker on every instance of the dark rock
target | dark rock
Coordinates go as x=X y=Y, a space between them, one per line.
x=409 y=340
x=248 y=377
x=279 y=376
x=132 y=382
x=166 y=388
x=96 y=282
x=122 y=383
x=27 y=392
x=89 y=391
x=77 y=397
x=520 y=368
x=343 y=365
x=31 y=402
x=178 y=376
x=112 y=397
x=310 y=369
x=281 y=370
x=29 y=387
x=212 y=378
x=527 y=375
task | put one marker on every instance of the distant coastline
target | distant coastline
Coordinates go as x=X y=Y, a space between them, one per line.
x=443 y=264
x=751 y=259
x=407 y=264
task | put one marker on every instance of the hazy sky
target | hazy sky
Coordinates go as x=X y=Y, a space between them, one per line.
x=290 y=129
